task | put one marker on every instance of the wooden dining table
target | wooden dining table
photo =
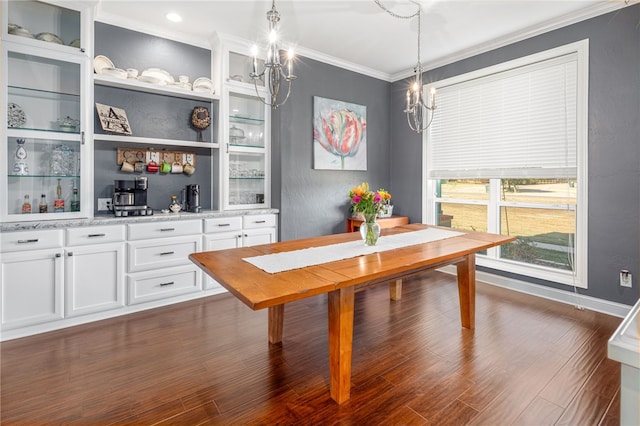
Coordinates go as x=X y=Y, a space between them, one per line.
x=340 y=279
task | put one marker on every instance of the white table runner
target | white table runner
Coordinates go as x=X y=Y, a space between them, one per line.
x=288 y=260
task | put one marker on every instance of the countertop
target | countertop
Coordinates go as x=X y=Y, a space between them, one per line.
x=624 y=344
x=110 y=219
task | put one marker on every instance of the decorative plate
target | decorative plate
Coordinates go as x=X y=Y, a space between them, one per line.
x=51 y=38
x=152 y=80
x=203 y=82
x=114 y=72
x=75 y=43
x=15 y=115
x=101 y=62
x=19 y=31
x=160 y=74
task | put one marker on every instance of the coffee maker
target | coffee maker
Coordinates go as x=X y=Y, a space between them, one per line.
x=192 y=201
x=130 y=197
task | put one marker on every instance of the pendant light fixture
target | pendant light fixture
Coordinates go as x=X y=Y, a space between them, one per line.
x=275 y=74
x=419 y=111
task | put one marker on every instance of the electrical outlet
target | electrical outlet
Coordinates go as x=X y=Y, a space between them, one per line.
x=625 y=278
x=104 y=204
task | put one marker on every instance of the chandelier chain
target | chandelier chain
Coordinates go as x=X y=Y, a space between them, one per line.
x=417 y=108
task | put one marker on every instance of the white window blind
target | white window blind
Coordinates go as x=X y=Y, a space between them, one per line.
x=512 y=124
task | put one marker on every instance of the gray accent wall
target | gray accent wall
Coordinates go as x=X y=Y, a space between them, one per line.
x=155 y=116
x=315 y=202
x=614 y=144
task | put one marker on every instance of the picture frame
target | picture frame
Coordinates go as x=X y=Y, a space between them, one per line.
x=113 y=119
x=339 y=135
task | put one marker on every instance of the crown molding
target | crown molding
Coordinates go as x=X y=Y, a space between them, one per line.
x=550 y=25
x=532 y=31
x=133 y=25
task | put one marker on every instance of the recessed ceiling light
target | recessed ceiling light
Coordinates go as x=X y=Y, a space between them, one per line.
x=174 y=17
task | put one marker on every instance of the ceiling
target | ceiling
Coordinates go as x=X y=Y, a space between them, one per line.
x=358 y=34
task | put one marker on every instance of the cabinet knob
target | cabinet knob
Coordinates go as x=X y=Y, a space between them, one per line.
x=58 y=255
x=70 y=254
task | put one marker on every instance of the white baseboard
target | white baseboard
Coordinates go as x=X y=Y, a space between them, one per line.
x=568 y=297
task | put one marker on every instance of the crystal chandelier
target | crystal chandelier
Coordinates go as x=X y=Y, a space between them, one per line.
x=274 y=71
x=417 y=107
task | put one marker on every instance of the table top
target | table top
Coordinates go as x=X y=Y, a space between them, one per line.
x=259 y=289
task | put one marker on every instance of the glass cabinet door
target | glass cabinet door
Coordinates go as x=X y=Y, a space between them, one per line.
x=247 y=143
x=43 y=141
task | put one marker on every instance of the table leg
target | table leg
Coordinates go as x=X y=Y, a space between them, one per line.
x=395 y=290
x=340 y=342
x=276 y=323
x=467 y=290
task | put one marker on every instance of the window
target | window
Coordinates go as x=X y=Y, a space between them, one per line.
x=506 y=153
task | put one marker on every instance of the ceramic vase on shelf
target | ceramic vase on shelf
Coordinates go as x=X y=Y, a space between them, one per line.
x=370 y=230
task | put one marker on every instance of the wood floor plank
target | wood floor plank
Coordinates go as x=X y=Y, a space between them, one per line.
x=208 y=361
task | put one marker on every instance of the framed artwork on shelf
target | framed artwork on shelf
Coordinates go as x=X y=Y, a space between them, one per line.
x=339 y=135
x=113 y=120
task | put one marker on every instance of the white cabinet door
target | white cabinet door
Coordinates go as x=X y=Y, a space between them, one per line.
x=31 y=285
x=94 y=278
x=220 y=241
x=254 y=237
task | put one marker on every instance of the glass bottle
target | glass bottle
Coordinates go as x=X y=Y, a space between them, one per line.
x=20 y=166
x=175 y=207
x=58 y=203
x=43 y=207
x=26 y=206
x=75 y=201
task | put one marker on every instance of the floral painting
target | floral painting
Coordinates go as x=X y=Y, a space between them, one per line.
x=339 y=135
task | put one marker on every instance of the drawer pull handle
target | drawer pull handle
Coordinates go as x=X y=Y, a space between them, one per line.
x=166 y=284
x=96 y=235
x=167 y=229
x=224 y=224
x=35 y=240
x=259 y=221
x=166 y=253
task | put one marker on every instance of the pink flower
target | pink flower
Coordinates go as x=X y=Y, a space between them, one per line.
x=356 y=199
x=340 y=132
x=377 y=198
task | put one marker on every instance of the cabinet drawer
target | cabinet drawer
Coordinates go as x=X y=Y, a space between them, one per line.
x=95 y=235
x=222 y=224
x=143 y=231
x=145 y=287
x=31 y=240
x=161 y=253
x=259 y=221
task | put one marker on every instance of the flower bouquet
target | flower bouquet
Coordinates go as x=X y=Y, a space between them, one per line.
x=369 y=204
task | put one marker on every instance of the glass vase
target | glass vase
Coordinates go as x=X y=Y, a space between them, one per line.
x=370 y=230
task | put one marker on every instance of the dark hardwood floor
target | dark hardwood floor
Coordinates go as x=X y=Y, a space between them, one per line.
x=529 y=361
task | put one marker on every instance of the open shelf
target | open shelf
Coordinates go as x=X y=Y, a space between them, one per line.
x=153 y=141
x=141 y=86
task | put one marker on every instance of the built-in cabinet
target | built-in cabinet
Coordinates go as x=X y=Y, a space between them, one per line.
x=246 y=134
x=31 y=278
x=54 y=278
x=57 y=160
x=236 y=231
x=94 y=269
x=159 y=265
x=45 y=75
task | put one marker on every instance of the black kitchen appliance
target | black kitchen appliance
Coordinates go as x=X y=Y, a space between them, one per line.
x=130 y=197
x=192 y=202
